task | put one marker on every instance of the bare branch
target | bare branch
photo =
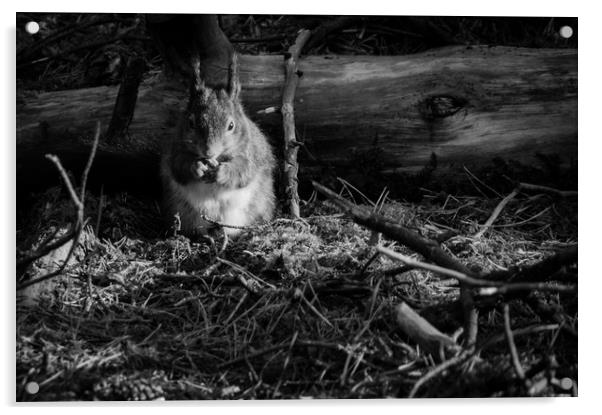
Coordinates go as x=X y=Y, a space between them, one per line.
x=291 y=165
x=435 y=268
x=245 y=272
x=513 y=352
x=545 y=189
x=66 y=180
x=84 y=181
x=79 y=222
x=496 y=212
x=45 y=248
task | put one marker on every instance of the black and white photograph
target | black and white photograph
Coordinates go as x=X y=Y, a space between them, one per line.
x=295 y=206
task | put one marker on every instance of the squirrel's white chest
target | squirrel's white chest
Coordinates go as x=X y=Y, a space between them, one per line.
x=227 y=206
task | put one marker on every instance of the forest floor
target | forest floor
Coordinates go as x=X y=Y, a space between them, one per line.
x=294 y=308
x=289 y=309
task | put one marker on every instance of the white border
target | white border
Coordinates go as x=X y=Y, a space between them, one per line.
x=589 y=187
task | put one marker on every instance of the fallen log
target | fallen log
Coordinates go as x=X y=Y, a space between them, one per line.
x=466 y=105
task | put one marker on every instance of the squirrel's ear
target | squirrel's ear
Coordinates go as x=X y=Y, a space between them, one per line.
x=197 y=82
x=233 y=80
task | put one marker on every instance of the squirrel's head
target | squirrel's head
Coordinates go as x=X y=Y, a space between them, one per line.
x=215 y=122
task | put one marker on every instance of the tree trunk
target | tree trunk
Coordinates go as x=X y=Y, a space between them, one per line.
x=466 y=105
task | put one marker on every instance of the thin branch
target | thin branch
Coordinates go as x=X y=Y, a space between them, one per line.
x=61 y=268
x=101 y=202
x=245 y=272
x=426 y=247
x=45 y=248
x=435 y=268
x=299 y=294
x=496 y=212
x=510 y=338
x=225 y=225
x=522 y=222
x=291 y=166
x=481 y=182
x=489 y=287
x=238 y=305
x=82 y=196
x=76 y=201
x=549 y=190
x=79 y=222
x=367 y=264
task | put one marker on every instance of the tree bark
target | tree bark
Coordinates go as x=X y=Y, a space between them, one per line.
x=466 y=105
x=180 y=37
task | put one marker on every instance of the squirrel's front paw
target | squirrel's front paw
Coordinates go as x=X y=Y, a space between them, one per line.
x=205 y=169
x=223 y=174
x=199 y=168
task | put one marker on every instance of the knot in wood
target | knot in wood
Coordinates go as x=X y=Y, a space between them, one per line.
x=287 y=108
x=442 y=106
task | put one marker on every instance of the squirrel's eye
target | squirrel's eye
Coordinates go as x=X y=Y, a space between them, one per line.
x=231 y=126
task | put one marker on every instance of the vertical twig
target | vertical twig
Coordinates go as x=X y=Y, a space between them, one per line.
x=101 y=201
x=79 y=222
x=84 y=180
x=291 y=145
x=510 y=338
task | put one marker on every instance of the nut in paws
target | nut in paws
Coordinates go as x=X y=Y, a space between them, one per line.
x=206 y=169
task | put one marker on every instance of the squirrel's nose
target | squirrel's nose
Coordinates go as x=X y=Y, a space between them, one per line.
x=201 y=150
x=213 y=151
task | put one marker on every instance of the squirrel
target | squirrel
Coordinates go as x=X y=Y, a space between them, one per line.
x=219 y=166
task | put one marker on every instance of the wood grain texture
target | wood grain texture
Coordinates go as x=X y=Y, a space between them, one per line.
x=465 y=104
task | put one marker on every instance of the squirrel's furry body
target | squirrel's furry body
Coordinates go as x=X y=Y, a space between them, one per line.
x=218 y=166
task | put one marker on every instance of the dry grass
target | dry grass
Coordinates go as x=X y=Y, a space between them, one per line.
x=285 y=312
